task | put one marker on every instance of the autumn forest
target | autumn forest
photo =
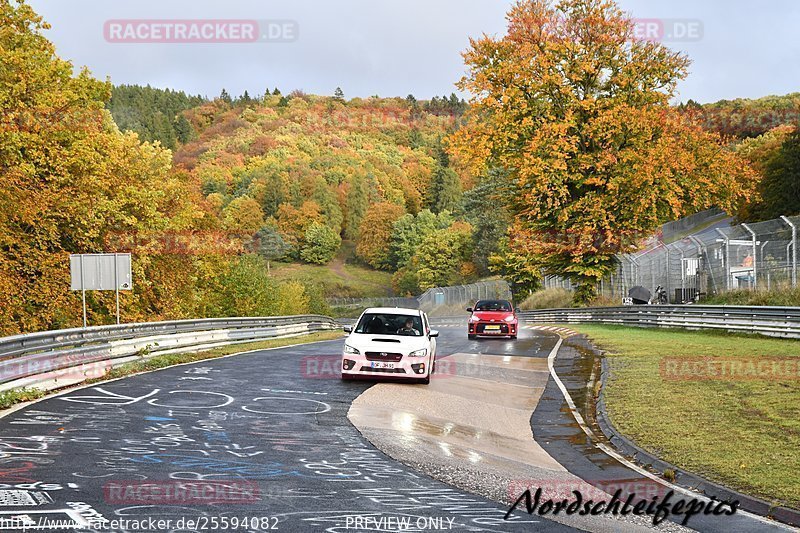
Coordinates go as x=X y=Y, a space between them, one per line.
x=208 y=193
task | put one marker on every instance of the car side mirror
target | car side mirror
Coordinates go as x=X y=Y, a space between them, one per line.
x=433 y=333
x=469 y=309
x=347 y=329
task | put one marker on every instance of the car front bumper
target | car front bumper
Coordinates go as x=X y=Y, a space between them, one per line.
x=493 y=329
x=407 y=367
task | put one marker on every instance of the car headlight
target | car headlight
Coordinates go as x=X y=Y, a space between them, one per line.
x=419 y=353
x=474 y=319
x=510 y=318
x=351 y=350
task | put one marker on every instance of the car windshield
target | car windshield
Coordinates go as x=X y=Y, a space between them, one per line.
x=390 y=324
x=493 y=305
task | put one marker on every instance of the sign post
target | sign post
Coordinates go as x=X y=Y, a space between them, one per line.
x=100 y=272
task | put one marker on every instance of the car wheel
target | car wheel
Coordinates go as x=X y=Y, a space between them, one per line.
x=513 y=337
x=472 y=337
x=425 y=381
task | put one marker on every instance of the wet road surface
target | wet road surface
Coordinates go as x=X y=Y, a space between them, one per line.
x=268 y=430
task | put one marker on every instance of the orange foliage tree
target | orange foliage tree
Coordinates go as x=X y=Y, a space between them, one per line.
x=376 y=233
x=576 y=110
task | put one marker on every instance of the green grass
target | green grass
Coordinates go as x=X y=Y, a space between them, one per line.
x=12 y=397
x=783 y=296
x=559 y=298
x=343 y=277
x=352 y=282
x=555 y=298
x=743 y=433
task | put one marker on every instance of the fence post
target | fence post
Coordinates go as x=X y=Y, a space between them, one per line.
x=727 y=259
x=669 y=284
x=794 y=249
x=700 y=266
x=635 y=270
x=755 y=255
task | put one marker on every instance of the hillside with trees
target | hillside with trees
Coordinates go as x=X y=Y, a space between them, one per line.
x=154 y=114
x=209 y=194
x=306 y=172
x=744 y=118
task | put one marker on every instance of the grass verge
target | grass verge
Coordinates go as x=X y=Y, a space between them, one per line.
x=743 y=433
x=12 y=397
x=559 y=298
x=783 y=295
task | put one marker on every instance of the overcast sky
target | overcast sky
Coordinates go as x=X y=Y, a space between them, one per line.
x=396 y=47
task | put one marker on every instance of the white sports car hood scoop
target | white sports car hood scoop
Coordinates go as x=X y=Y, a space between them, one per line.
x=380 y=343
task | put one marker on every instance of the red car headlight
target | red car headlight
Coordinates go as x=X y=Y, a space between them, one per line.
x=511 y=318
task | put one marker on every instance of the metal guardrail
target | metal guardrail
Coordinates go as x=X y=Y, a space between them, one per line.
x=770 y=321
x=34 y=354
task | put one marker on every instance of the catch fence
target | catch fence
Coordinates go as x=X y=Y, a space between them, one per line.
x=713 y=260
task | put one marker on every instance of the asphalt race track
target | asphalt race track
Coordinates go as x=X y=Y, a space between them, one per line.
x=267 y=431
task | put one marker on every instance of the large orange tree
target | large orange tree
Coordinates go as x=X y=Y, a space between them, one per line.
x=577 y=111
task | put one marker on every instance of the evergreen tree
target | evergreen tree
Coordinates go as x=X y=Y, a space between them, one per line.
x=269 y=244
x=338 y=94
x=445 y=190
x=183 y=129
x=154 y=114
x=225 y=97
x=356 y=203
x=780 y=187
x=484 y=210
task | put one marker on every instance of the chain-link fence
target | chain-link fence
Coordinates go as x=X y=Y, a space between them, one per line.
x=719 y=258
x=441 y=301
x=438 y=301
x=363 y=303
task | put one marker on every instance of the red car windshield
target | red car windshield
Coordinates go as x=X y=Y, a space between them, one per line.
x=493 y=305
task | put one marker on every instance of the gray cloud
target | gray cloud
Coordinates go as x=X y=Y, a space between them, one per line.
x=397 y=47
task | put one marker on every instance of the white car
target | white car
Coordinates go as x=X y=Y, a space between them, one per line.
x=391 y=342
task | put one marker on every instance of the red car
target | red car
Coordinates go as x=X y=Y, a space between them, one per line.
x=492 y=318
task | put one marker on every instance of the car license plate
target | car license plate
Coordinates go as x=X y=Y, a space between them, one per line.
x=379 y=364
x=492 y=328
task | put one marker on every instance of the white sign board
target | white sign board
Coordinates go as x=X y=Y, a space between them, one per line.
x=100 y=272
